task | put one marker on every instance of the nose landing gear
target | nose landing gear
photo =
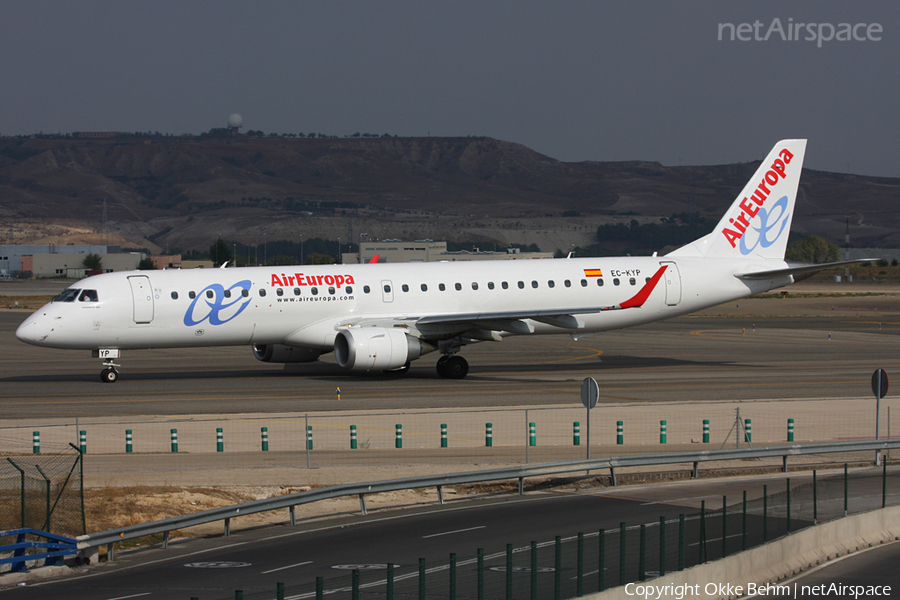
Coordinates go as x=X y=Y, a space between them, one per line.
x=109 y=374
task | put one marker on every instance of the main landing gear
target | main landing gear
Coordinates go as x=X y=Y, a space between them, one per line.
x=452 y=367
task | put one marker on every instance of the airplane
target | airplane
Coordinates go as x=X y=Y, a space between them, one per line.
x=380 y=317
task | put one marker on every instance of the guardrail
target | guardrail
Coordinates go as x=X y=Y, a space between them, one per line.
x=290 y=501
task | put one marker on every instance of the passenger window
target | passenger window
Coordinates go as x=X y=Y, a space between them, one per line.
x=646 y=280
x=458 y=286
x=584 y=283
x=474 y=286
x=228 y=293
x=279 y=292
x=387 y=289
x=521 y=285
x=210 y=294
x=568 y=283
x=424 y=287
x=174 y=295
x=490 y=285
x=315 y=291
x=348 y=289
x=599 y=282
x=616 y=281
x=192 y=295
x=296 y=291
x=262 y=293
x=551 y=283
x=534 y=284
x=632 y=281
x=331 y=291
x=366 y=289
x=504 y=285
x=245 y=293
x=404 y=287
x=442 y=287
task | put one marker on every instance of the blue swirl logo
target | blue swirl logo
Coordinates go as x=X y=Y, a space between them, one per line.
x=217 y=305
x=768 y=220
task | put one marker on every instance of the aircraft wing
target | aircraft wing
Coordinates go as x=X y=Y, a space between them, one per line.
x=510 y=320
x=799 y=271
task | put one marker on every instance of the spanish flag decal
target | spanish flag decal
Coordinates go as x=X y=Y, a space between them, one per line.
x=593 y=273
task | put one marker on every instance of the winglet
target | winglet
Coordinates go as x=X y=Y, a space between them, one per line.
x=638 y=299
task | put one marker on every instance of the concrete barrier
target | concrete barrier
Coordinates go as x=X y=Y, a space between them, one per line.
x=779 y=559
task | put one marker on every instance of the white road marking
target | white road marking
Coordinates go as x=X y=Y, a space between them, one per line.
x=425 y=537
x=287 y=567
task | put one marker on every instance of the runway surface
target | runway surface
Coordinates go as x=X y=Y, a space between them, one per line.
x=798 y=347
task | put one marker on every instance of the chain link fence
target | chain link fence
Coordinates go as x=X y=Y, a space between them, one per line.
x=43 y=492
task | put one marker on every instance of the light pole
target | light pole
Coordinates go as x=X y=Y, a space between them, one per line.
x=339 y=261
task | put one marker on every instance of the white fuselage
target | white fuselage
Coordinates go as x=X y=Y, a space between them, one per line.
x=306 y=306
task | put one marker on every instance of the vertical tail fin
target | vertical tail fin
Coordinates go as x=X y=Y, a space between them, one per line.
x=758 y=222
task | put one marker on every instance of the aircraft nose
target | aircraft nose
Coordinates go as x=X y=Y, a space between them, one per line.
x=29 y=333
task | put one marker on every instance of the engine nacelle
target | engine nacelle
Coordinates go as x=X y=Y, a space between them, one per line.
x=371 y=348
x=279 y=353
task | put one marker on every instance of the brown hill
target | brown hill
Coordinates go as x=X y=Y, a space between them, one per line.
x=186 y=190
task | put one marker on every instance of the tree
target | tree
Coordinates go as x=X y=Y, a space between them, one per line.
x=93 y=262
x=220 y=252
x=315 y=258
x=813 y=249
x=146 y=264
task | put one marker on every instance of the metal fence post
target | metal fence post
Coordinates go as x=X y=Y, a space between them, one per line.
x=509 y=571
x=662 y=546
x=724 y=526
x=622 y=531
x=846 y=488
x=481 y=574
x=601 y=561
x=453 y=576
x=354 y=584
x=815 y=500
x=557 y=571
x=744 y=523
x=534 y=569
x=681 y=542
x=579 y=572
x=642 y=555
x=788 y=504
x=390 y=582
x=765 y=513
x=421 y=579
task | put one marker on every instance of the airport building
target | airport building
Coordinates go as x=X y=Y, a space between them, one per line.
x=395 y=251
x=11 y=255
x=70 y=265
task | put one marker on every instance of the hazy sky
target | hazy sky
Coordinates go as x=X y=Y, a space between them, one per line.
x=574 y=80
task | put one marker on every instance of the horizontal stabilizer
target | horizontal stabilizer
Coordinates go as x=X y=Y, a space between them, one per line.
x=799 y=271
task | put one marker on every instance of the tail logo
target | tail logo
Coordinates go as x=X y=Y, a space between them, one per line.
x=780 y=210
x=748 y=210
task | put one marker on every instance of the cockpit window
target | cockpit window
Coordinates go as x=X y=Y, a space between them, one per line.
x=88 y=296
x=68 y=295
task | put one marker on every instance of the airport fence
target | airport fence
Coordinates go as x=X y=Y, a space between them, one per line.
x=592 y=559
x=524 y=435
x=43 y=492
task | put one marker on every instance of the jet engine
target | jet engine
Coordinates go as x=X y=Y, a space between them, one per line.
x=279 y=353
x=371 y=348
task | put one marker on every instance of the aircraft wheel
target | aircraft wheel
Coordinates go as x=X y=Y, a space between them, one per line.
x=442 y=367
x=457 y=367
x=109 y=376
